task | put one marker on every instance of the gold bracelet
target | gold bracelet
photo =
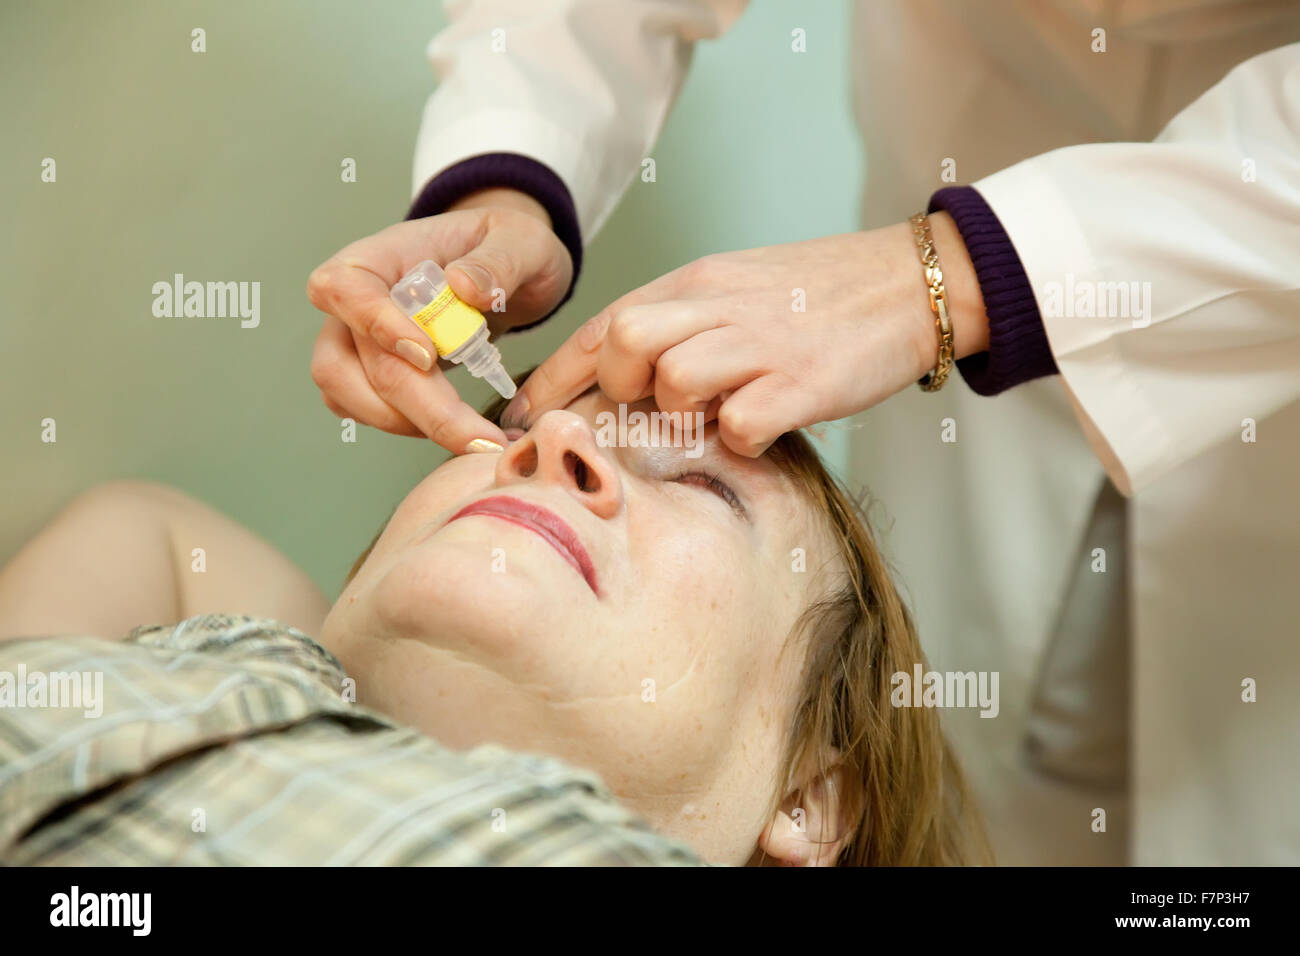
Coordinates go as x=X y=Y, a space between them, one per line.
x=932 y=381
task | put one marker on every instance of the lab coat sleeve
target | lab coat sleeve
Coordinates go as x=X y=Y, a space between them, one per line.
x=1168 y=273
x=582 y=86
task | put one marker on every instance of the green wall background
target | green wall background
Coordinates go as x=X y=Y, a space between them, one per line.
x=224 y=166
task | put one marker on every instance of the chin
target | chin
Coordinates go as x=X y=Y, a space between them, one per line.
x=444 y=593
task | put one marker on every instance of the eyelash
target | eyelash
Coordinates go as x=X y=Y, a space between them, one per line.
x=718 y=486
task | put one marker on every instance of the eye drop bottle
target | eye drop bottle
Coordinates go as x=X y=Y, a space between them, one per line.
x=458 y=330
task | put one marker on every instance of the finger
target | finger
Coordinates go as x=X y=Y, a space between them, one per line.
x=690 y=376
x=337 y=409
x=571 y=368
x=639 y=336
x=428 y=399
x=359 y=298
x=352 y=285
x=514 y=252
x=336 y=370
x=567 y=373
x=762 y=411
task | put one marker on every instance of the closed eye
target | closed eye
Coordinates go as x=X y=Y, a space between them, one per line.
x=717 y=486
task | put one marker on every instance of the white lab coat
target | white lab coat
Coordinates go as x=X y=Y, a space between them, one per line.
x=995 y=536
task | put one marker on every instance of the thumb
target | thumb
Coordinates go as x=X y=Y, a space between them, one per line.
x=491 y=270
x=510 y=259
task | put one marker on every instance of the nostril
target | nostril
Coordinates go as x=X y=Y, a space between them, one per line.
x=583 y=476
x=526 y=461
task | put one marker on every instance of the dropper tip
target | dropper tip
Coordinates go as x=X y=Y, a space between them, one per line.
x=502 y=382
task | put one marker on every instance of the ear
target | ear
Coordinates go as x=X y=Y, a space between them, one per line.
x=809 y=828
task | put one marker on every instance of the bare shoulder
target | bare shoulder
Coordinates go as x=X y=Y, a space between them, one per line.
x=132 y=552
x=224 y=566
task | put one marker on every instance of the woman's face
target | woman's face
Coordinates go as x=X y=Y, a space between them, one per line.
x=601 y=604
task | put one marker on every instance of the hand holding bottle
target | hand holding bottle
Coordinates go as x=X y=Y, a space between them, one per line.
x=374 y=364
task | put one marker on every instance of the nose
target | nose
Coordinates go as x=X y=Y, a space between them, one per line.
x=560 y=449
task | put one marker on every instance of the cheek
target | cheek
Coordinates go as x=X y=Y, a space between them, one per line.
x=692 y=599
x=709 y=620
x=431 y=502
x=718 y=608
x=690 y=573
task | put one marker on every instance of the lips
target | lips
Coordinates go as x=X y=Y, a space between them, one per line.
x=540 y=521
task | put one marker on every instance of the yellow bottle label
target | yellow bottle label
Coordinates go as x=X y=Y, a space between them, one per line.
x=448 y=321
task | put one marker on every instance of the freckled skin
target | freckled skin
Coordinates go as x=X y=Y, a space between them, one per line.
x=691 y=596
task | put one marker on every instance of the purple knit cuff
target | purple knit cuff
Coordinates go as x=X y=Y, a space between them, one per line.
x=516 y=172
x=1018 y=348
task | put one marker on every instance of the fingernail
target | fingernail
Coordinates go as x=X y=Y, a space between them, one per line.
x=482 y=444
x=414 y=353
x=514 y=434
x=477 y=274
x=514 y=414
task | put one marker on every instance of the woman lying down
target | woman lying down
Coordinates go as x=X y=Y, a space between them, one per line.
x=559 y=654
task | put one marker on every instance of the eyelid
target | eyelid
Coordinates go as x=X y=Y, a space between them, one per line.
x=716 y=485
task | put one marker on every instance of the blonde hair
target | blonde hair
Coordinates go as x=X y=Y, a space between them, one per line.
x=903 y=798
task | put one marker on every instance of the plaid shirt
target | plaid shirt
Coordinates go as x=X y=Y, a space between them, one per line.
x=227 y=740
